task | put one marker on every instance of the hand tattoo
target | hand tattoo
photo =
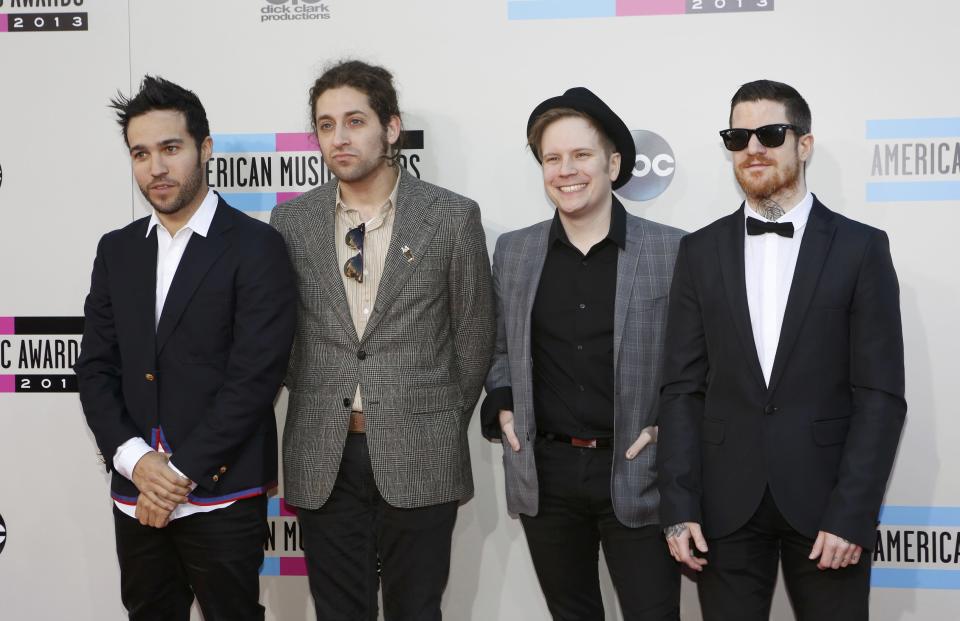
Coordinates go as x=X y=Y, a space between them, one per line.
x=770 y=209
x=675 y=530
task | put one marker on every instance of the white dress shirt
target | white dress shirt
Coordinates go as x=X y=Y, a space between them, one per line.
x=769 y=262
x=169 y=252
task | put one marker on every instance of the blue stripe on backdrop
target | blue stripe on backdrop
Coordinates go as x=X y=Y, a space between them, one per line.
x=893 y=191
x=912 y=128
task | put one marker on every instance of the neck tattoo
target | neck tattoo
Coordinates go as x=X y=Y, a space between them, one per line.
x=770 y=210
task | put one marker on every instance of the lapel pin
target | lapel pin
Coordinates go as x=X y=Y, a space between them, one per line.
x=406 y=252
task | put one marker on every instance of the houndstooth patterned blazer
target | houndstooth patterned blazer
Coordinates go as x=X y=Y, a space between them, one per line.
x=644 y=271
x=420 y=362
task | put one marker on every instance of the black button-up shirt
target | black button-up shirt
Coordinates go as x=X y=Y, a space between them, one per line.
x=572 y=337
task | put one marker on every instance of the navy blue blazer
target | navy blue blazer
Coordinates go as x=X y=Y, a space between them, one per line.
x=203 y=382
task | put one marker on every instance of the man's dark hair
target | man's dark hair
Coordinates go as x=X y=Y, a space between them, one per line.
x=373 y=81
x=159 y=94
x=798 y=112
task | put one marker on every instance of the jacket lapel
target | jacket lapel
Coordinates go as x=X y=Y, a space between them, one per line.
x=626 y=276
x=730 y=251
x=533 y=255
x=200 y=253
x=414 y=225
x=813 y=254
x=321 y=248
x=143 y=282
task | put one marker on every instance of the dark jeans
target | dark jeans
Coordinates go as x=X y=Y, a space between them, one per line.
x=215 y=555
x=576 y=517
x=356 y=540
x=738 y=581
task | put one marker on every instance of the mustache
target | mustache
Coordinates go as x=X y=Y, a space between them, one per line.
x=757 y=160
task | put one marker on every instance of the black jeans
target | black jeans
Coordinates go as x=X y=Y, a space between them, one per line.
x=576 y=517
x=738 y=581
x=215 y=555
x=356 y=540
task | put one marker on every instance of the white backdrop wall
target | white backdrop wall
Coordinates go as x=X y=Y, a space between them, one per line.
x=878 y=75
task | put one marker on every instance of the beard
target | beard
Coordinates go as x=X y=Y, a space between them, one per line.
x=763 y=188
x=363 y=168
x=188 y=191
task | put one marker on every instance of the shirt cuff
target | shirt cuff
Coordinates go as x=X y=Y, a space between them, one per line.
x=193 y=485
x=128 y=454
x=496 y=400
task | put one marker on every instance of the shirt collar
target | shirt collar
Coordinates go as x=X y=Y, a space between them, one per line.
x=618 y=226
x=199 y=222
x=797 y=216
x=387 y=206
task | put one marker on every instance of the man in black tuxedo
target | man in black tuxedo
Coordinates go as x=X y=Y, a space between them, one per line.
x=189 y=324
x=782 y=396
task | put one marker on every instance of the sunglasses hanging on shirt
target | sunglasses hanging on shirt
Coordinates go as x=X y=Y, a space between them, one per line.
x=353 y=268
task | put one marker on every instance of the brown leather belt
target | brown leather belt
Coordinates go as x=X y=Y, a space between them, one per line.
x=357 y=423
x=596 y=443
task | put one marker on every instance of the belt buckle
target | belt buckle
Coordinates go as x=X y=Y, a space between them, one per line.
x=582 y=443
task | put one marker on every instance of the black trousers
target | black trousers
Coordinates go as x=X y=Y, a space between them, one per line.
x=215 y=556
x=576 y=517
x=356 y=540
x=738 y=581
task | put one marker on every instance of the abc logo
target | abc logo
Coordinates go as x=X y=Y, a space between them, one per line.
x=653 y=170
x=3 y=533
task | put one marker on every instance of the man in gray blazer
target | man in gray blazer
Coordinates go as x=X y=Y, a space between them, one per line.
x=581 y=306
x=395 y=331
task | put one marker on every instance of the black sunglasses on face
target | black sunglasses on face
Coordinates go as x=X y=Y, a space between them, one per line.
x=353 y=268
x=770 y=136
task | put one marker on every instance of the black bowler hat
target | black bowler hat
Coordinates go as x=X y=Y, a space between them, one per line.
x=583 y=100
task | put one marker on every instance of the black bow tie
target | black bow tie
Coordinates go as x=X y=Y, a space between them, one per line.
x=759 y=227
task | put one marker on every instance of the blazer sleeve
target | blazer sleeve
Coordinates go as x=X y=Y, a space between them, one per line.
x=98 y=367
x=879 y=407
x=682 y=394
x=498 y=382
x=472 y=320
x=264 y=321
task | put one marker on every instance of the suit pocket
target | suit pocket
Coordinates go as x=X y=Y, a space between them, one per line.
x=648 y=304
x=712 y=431
x=831 y=431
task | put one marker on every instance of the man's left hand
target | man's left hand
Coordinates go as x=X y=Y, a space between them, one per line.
x=150 y=513
x=834 y=552
x=647 y=436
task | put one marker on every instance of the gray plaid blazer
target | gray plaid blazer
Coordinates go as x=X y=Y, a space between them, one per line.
x=644 y=272
x=420 y=362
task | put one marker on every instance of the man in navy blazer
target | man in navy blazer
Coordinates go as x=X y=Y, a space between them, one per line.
x=783 y=384
x=189 y=324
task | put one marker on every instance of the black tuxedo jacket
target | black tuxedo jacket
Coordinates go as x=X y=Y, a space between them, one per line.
x=823 y=435
x=203 y=381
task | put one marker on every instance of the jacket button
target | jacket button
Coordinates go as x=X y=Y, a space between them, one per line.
x=361 y=354
x=347 y=402
x=216 y=478
x=149 y=377
x=223 y=469
x=769 y=409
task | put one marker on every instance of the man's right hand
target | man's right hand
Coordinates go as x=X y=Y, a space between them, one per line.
x=678 y=539
x=154 y=478
x=509 y=434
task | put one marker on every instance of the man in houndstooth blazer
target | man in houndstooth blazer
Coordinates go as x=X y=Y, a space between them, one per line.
x=391 y=349
x=581 y=308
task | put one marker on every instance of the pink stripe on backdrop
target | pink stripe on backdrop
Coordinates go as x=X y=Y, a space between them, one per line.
x=293 y=566
x=8 y=383
x=303 y=141
x=286 y=509
x=283 y=197
x=651 y=7
x=4 y=21
x=6 y=325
